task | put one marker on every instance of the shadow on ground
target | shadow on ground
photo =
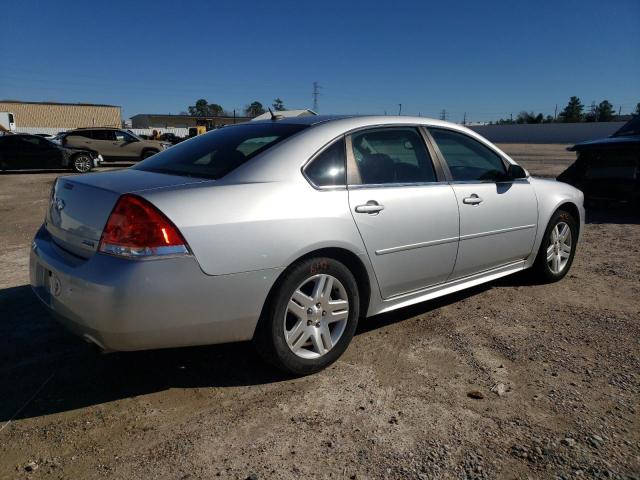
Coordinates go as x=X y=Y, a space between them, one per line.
x=44 y=369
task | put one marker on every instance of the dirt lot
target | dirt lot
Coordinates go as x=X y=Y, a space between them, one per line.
x=395 y=406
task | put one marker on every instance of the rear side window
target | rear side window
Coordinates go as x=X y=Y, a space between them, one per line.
x=108 y=135
x=327 y=169
x=218 y=152
x=392 y=155
x=468 y=159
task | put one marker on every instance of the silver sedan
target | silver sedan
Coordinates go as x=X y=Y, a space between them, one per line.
x=288 y=232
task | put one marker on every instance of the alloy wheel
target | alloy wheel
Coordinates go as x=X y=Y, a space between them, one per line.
x=559 y=249
x=316 y=316
x=82 y=163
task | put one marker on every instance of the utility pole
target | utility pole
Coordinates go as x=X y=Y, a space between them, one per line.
x=511 y=117
x=555 y=113
x=619 y=110
x=443 y=114
x=316 y=94
x=399 y=109
x=464 y=120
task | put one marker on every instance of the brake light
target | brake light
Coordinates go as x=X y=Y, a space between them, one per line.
x=136 y=228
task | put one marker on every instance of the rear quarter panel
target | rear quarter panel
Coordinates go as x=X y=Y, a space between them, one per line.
x=253 y=226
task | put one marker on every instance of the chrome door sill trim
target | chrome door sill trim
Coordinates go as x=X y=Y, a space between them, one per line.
x=406 y=299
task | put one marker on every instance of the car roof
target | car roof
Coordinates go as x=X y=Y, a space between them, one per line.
x=303 y=120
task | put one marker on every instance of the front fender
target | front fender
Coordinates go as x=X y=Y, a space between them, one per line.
x=552 y=195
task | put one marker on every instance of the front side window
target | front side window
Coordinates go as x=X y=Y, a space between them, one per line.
x=123 y=136
x=327 y=169
x=107 y=135
x=220 y=151
x=468 y=159
x=392 y=155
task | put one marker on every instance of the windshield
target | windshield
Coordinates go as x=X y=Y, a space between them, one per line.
x=632 y=127
x=217 y=153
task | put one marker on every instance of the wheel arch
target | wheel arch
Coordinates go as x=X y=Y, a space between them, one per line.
x=351 y=260
x=146 y=150
x=572 y=209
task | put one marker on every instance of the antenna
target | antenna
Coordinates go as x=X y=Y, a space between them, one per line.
x=316 y=94
x=273 y=117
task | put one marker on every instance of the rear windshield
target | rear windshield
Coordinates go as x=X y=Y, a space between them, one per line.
x=632 y=127
x=217 y=153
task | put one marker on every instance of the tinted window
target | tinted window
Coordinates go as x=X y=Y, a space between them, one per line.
x=108 y=135
x=328 y=168
x=35 y=142
x=467 y=158
x=392 y=155
x=11 y=118
x=218 y=152
x=80 y=133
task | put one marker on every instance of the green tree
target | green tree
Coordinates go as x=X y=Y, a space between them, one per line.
x=638 y=108
x=573 y=111
x=605 y=111
x=200 y=109
x=278 y=105
x=529 y=117
x=254 y=109
x=215 y=109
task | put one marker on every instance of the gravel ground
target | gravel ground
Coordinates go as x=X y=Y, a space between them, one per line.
x=508 y=380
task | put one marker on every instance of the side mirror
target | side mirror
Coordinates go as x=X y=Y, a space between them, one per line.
x=516 y=171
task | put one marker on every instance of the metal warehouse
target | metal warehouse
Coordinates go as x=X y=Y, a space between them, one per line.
x=62 y=115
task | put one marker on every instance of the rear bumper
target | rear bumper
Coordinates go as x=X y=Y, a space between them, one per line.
x=124 y=304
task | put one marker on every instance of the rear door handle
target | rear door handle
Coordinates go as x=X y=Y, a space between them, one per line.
x=472 y=200
x=371 y=207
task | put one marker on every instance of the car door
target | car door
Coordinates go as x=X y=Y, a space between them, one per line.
x=104 y=142
x=126 y=145
x=9 y=151
x=404 y=209
x=36 y=152
x=498 y=215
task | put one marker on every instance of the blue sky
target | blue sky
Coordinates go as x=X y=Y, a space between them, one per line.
x=486 y=58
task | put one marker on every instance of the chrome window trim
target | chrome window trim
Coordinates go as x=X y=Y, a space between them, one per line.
x=359 y=186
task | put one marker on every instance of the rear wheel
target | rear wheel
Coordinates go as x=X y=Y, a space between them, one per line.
x=557 y=249
x=148 y=153
x=81 y=163
x=311 y=317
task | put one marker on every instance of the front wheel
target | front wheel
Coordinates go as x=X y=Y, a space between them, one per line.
x=82 y=163
x=558 y=248
x=311 y=318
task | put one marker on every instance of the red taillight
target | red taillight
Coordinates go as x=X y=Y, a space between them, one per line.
x=136 y=228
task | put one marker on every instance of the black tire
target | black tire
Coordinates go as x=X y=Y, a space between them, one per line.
x=81 y=163
x=542 y=270
x=270 y=338
x=148 y=153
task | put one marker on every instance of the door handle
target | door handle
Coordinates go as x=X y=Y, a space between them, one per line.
x=371 y=207
x=472 y=200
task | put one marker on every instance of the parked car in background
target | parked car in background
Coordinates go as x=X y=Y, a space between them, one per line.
x=113 y=144
x=608 y=169
x=7 y=122
x=23 y=151
x=288 y=232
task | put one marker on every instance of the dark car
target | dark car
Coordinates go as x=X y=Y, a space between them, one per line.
x=608 y=169
x=22 y=151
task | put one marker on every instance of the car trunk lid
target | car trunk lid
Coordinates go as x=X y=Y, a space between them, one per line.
x=80 y=206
